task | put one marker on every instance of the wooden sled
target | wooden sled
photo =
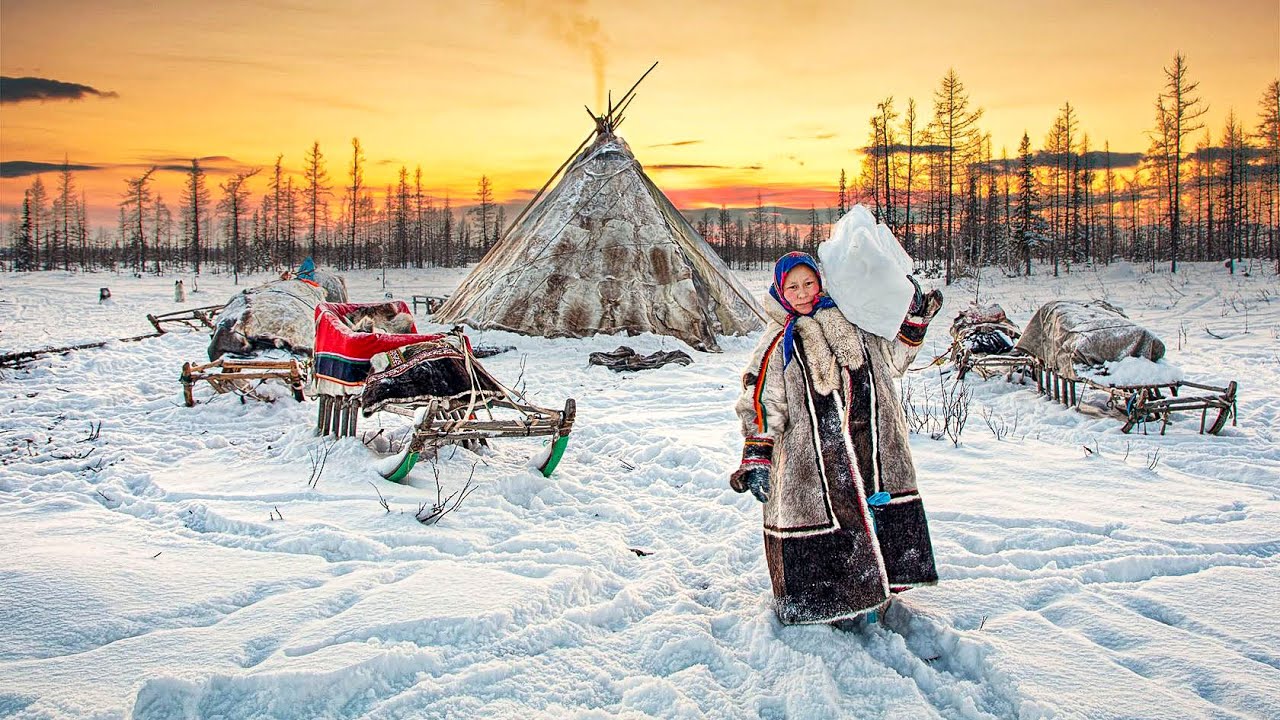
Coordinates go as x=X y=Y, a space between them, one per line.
x=988 y=366
x=467 y=417
x=439 y=422
x=1139 y=405
x=242 y=376
x=983 y=340
x=1094 y=333
x=200 y=318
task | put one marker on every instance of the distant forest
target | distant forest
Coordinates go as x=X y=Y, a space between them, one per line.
x=1195 y=194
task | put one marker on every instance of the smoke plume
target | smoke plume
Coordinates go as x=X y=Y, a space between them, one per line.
x=572 y=23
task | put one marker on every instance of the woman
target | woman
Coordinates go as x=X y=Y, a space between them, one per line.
x=826 y=452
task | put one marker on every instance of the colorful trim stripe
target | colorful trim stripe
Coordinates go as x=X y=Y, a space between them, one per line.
x=762 y=420
x=757 y=451
x=912 y=333
x=338 y=369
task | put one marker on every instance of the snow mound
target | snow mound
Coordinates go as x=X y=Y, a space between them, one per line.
x=865 y=271
x=1136 y=371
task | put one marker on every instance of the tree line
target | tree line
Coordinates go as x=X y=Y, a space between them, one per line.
x=933 y=179
x=954 y=205
x=341 y=225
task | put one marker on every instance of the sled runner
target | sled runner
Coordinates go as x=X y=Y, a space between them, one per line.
x=1081 y=346
x=433 y=381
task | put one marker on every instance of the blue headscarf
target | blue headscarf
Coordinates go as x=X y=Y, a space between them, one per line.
x=786 y=264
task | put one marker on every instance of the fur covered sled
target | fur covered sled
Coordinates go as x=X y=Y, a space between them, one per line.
x=432 y=380
x=264 y=334
x=279 y=314
x=1093 y=346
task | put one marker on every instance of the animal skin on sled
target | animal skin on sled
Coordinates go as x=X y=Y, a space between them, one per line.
x=279 y=314
x=1064 y=334
x=423 y=371
x=984 y=330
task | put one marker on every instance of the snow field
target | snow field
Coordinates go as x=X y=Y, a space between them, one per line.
x=185 y=567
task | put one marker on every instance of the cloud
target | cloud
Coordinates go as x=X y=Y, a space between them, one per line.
x=680 y=166
x=678 y=143
x=25 y=89
x=186 y=161
x=1097 y=159
x=212 y=165
x=213 y=60
x=902 y=149
x=740 y=196
x=23 y=168
x=1221 y=154
x=816 y=136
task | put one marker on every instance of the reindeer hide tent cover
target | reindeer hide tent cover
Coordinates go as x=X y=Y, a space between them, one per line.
x=604 y=252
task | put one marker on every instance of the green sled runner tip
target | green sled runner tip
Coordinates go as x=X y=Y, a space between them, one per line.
x=408 y=459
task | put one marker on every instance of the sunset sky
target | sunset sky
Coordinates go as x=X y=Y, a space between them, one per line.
x=748 y=95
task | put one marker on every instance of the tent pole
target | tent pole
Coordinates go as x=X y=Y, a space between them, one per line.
x=550 y=180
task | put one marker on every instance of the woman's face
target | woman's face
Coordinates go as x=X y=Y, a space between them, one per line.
x=800 y=288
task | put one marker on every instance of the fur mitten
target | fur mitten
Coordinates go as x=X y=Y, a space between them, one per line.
x=753 y=473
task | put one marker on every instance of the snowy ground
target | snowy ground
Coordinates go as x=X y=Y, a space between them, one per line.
x=174 y=562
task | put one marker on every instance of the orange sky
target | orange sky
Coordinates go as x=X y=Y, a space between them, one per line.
x=751 y=94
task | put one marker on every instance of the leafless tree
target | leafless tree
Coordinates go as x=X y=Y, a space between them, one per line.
x=1268 y=133
x=1178 y=111
x=134 y=205
x=317 y=191
x=355 y=171
x=65 y=210
x=195 y=210
x=235 y=205
x=956 y=127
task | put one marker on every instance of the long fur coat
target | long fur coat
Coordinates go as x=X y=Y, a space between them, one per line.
x=840 y=437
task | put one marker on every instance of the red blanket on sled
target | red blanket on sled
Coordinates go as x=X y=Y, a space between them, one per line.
x=343 y=353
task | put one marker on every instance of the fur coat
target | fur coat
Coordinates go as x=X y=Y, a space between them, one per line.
x=840 y=438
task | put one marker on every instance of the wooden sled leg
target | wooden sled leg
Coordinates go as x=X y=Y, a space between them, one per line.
x=322 y=412
x=187 y=397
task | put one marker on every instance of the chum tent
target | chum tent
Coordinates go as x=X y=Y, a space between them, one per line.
x=604 y=252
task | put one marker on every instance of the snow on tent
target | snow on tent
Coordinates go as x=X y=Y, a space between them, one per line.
x=604 y=252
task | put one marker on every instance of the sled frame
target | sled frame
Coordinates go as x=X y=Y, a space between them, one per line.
x=1140 y=405
x=465 y=420
x=988 y=365
x=243 y=376
x=200 y=318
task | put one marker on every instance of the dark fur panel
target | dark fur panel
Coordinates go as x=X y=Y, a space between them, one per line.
x=903 y=532
x=823 y=578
